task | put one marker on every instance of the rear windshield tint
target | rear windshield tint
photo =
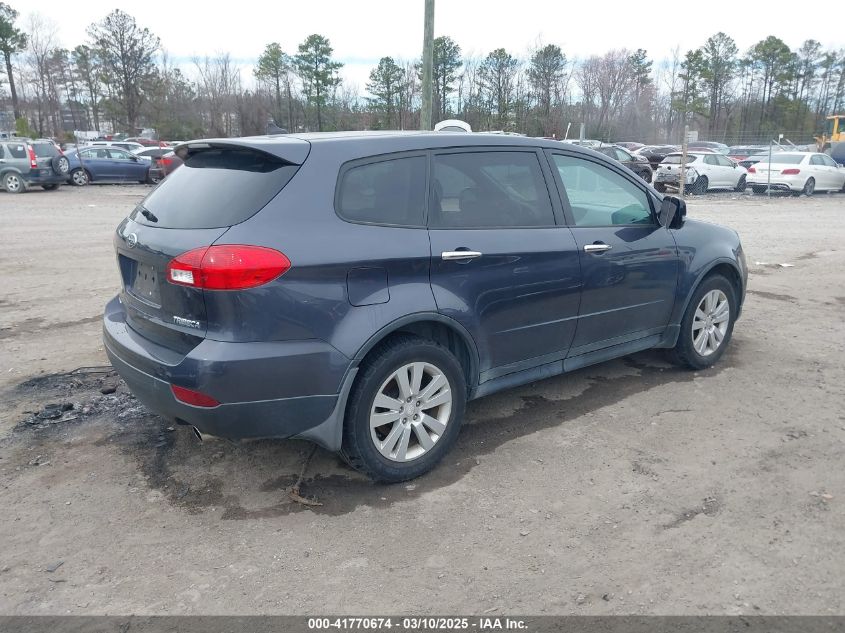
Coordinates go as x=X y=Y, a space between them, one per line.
x=215 y=188
x=785 y=159
x=675 y=159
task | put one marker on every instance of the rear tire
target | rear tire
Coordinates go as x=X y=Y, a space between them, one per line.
x=809 y=187
x=659 y=186
x=741 y=185
x=14 y=183
x=699 y=187
x=758 y=189
x=413 y=437
x=698 y=319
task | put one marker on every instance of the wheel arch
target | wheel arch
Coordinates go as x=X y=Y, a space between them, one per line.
x=436 y=327
x=9 y=169
x=724 y=267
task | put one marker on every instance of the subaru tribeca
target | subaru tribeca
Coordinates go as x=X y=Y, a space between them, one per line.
x=357 y=289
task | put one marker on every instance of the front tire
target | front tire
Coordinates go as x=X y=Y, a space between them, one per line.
x=79 y=177
x=405 y=411
x=707 y=325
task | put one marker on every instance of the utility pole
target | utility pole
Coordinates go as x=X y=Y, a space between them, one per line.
x=682 y=177
x=428 y=63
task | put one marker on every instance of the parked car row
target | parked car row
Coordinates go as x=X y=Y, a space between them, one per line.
x=793 y=172
x=26 y=163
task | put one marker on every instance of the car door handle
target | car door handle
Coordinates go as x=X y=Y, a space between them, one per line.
x=596 y=248
x=459 y=255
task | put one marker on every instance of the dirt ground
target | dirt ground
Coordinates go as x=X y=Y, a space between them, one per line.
x=627 y=487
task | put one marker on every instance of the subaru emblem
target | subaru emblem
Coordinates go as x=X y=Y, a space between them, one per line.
x=131 y=240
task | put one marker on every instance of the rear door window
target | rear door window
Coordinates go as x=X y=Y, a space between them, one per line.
x=390 y=191
x=18 y=150
x=2 y=151
x=215 y=188
x=489 y=189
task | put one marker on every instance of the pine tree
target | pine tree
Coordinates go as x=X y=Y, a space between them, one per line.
x=318 y=72
x=386 y=82
x=12 y=40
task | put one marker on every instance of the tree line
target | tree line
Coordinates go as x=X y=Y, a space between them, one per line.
x=122 y=78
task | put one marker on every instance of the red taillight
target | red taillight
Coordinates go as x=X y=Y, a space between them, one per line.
x=791 y=171
x=165 y=161
x=33 y=161
x=751 y=170
x=195 y=398
x=227 y=267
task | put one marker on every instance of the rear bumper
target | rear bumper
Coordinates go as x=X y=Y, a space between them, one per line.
x=43 y=176
x=778 y=184
x=224 y=370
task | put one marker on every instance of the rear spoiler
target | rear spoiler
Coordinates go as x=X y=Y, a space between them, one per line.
x=293 y=151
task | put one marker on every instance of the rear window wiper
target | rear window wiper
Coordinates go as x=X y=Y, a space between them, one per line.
x=149 y=215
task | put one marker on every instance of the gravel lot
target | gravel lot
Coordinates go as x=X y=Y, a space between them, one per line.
x=627 y=487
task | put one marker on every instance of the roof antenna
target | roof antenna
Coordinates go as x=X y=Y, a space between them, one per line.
x=272 y=128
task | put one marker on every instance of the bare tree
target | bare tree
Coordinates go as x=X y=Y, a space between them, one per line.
x=43 y=36
x=127 y=49
x=219 y=86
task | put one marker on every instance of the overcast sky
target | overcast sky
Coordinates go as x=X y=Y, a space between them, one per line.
x=361 y=32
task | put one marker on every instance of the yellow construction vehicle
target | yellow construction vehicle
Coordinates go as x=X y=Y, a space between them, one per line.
x=833 y=139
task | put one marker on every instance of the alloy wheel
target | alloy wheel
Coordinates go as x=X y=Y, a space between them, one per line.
x=710 y=323
x=410 y=411
x=13 y=183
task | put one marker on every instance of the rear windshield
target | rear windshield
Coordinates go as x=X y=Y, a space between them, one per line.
x=675 y=159
x=215 y=188
x=45 y=150
x=786 y=159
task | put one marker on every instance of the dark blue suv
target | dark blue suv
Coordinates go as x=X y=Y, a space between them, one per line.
x=356 y=289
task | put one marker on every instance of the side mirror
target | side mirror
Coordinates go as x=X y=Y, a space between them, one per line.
x=672 y=212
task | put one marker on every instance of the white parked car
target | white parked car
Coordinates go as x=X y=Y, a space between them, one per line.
x=798 y=172
x=704 y=171
x=129 y=146
x=149 y=153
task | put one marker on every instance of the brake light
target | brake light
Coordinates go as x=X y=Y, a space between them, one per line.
x=791 y=171
x=751 y=170
x=227 y=267
x=195 y=398
x=33 y=161
x=165 y=161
